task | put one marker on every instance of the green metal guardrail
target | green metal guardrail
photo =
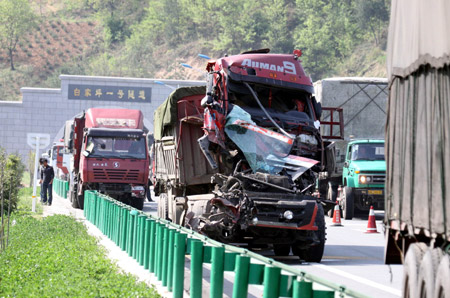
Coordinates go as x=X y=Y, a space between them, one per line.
x=61 y=187
x=161 y=247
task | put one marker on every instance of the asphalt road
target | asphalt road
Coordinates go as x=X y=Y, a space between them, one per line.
x=355 y=259
x=352 y=258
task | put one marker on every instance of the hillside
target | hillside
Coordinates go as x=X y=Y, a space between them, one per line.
x=150 y=38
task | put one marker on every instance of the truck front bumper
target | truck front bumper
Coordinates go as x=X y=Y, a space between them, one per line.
x=366 y=197
x=270 y=213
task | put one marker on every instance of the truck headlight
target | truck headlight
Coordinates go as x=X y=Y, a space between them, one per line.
x=365 y=179
x=288 y=215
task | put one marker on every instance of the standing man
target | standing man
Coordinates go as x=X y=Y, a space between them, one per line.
x=47 y=175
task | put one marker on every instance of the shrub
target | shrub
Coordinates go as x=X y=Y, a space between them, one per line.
x=11 y=172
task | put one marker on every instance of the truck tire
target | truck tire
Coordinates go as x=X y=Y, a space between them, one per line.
x=348 y=208
x=427 y=272
x=411 y=269
x=281 y=250
x=442 y=285
x=314 y=253
x=163 y=206
x=80 y=200
x=138 y=203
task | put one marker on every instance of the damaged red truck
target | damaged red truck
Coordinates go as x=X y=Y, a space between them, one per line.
x=240 y=164
x=109 y=154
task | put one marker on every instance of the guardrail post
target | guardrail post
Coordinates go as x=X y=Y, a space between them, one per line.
x=152 y=251
x=130 y=233
x=159 y=241
x=165 y=256
x=302 y=289
x=178 y=266
x=271 y=281
x=137 y=239
x=135 y=233
x=217 y=270
x=160 y=252
x=170 y=260
x=146 y=250
x=142 y=239
x=196 y=268
x=323 y=294
x=240 y=288
x=124 y=228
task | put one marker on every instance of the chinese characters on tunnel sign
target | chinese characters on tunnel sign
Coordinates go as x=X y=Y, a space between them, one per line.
x=110 y=93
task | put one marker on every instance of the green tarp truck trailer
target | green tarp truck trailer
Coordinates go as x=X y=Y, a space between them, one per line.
x=418 y=146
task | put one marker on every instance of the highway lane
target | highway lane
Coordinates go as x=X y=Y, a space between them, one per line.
x=355 y=259
x=352 y=258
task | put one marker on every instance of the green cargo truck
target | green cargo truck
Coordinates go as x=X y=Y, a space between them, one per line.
x=357 y=182
x=363 y=177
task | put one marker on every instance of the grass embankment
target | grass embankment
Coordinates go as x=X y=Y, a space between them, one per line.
x=56 y=257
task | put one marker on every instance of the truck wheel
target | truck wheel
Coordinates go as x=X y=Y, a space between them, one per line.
x=281 y=250
x=80 y=200
x=348 y=208
x=411 y=269
x=314 y=253
x=442 y=286
x=427 y=272
x=138 y=203
x=163 y=206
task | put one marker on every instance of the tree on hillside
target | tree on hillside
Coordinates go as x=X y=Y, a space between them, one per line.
x=118 y=16
x=16 y=18
x=373 y=15
x=327 y=33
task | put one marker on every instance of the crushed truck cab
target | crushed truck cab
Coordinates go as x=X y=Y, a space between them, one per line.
x=363 y=177
x=239 y=160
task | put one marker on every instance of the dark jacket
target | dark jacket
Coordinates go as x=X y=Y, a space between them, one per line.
x=47 y=174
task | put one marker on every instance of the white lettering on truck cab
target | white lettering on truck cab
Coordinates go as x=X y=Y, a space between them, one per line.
x=288 y=67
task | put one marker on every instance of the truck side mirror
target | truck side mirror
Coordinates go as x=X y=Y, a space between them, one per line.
x=346 y=164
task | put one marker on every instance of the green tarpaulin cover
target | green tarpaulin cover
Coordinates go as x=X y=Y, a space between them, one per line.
x=166 y=113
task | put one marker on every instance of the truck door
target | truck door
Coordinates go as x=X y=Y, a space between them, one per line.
x=345 y=170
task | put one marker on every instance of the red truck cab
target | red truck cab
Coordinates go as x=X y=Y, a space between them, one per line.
x=110 y=155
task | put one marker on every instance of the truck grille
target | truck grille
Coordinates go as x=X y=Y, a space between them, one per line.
x=379 y=178
x=113 y=174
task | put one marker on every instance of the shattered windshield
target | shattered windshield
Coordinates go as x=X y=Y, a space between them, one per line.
x=119 y=147
x=265 y=150
x=369 y=151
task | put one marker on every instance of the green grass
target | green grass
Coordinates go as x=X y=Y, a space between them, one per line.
x=55 y=257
